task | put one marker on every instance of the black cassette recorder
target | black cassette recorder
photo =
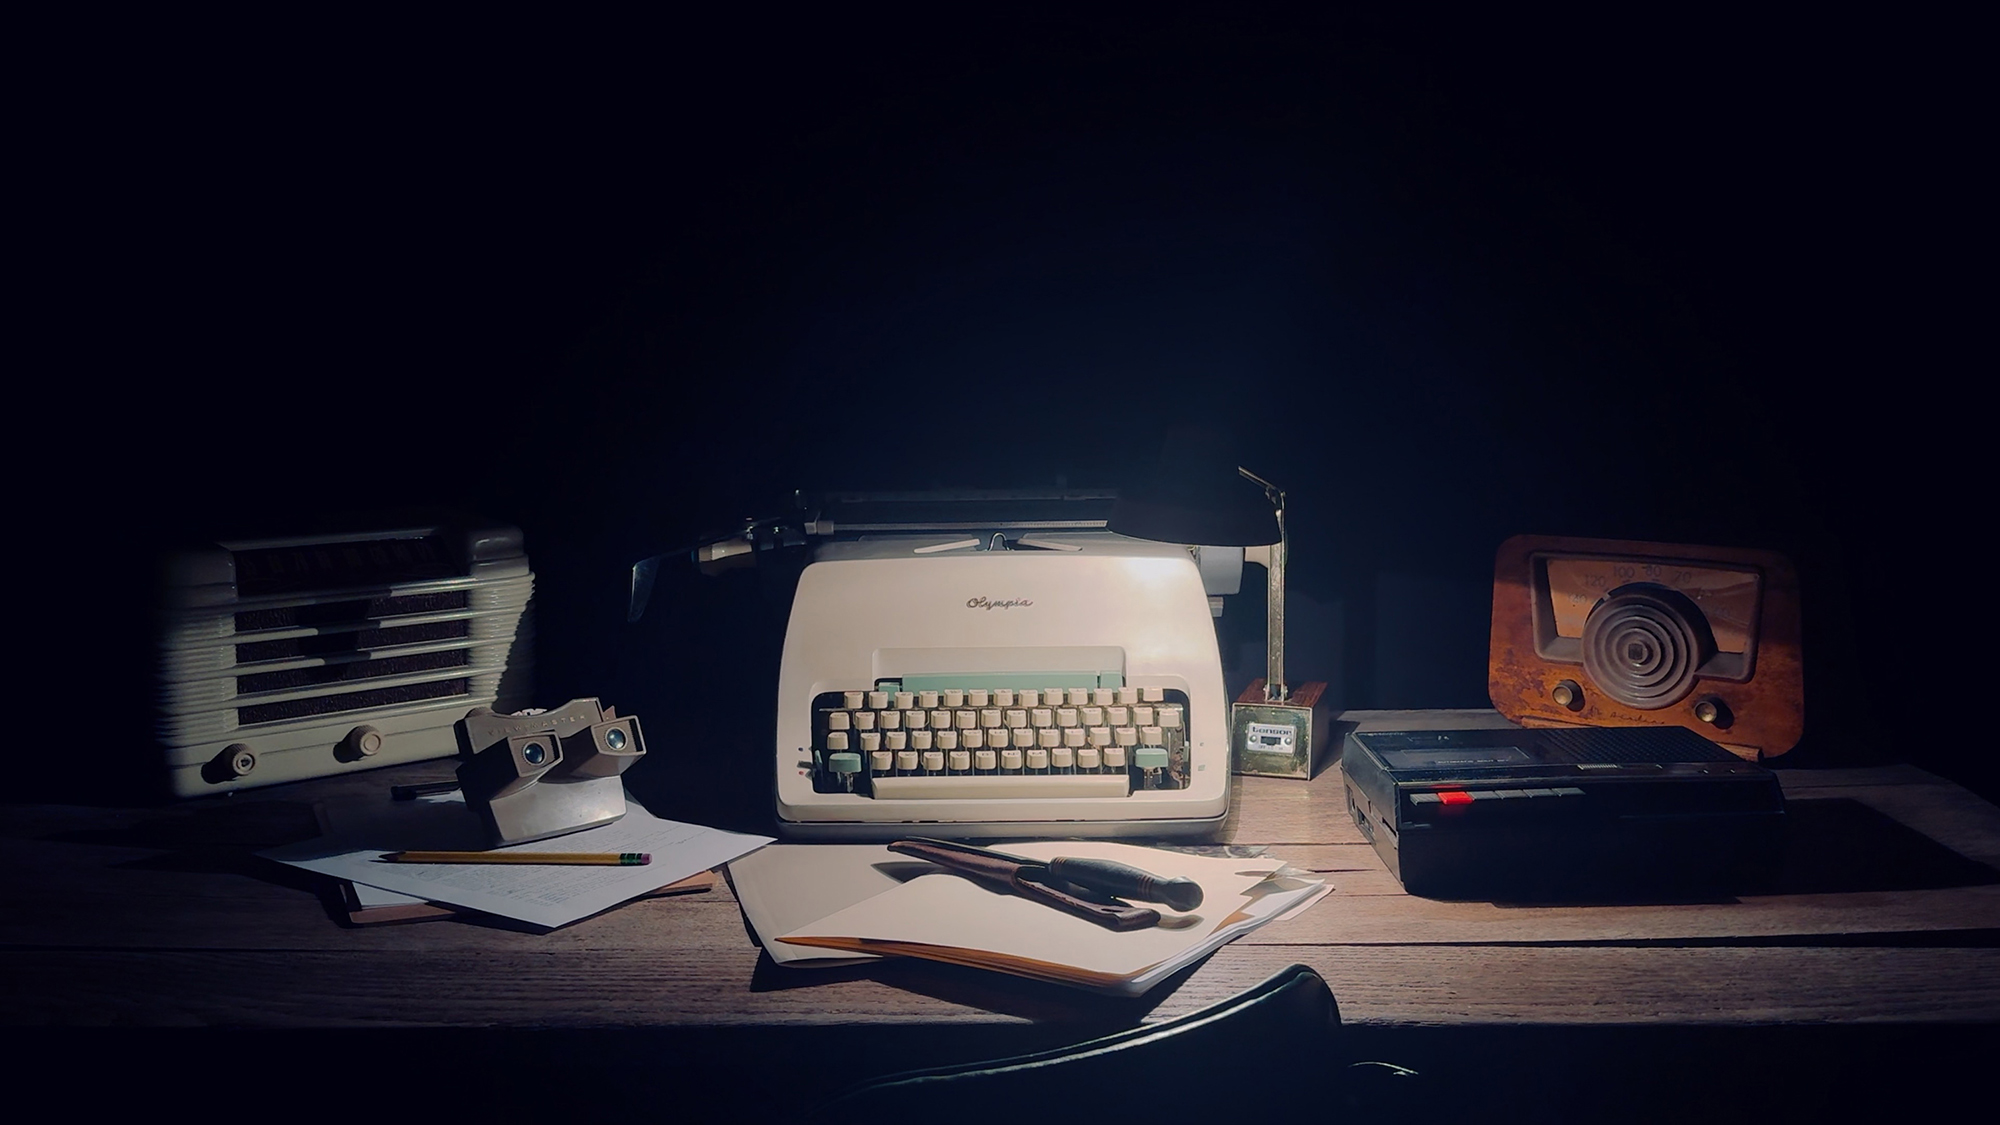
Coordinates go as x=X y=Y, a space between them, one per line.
x=1558 y=813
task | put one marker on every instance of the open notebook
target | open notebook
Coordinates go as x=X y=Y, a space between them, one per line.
x=897 y=906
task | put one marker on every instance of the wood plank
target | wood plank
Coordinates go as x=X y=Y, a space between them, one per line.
x=1440 y=985
x=1368 y=907
x=1388 y=985
x=1367 y=918
x=90 y=896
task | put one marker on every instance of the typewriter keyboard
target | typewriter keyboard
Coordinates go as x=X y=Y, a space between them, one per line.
x=959 y=743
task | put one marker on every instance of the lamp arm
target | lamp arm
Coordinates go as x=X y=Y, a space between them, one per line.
x=1273 y=560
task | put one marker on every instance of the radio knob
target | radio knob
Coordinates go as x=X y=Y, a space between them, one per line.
x=1568 y=694
x=235 y=761
x=1714 y=712
x=362 y=742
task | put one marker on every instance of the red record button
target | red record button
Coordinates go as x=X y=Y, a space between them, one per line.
x=1454 y=797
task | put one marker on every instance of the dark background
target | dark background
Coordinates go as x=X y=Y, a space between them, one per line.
x=1446 y=277
x=1680 y=275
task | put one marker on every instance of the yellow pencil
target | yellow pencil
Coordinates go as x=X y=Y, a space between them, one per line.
x=590 y=859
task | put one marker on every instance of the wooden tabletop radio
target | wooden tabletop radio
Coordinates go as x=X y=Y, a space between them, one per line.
x=1612 y=632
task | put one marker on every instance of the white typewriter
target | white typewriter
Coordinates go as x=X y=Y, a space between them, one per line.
x=1038 y=679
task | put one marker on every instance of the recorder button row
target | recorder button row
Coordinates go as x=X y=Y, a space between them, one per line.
x=1461 y=796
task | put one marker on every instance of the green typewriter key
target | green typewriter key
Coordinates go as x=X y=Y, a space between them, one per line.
x=845 y=766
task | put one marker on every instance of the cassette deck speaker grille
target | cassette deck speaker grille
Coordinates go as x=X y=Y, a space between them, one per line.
x=1613 y=745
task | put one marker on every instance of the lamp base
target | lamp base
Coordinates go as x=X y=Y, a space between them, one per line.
x=1278 y=739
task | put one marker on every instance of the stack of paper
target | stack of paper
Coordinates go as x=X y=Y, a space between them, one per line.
x=358 y=833
x=880 y=903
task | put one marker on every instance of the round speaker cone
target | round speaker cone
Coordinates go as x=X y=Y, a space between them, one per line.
x=1643 y=643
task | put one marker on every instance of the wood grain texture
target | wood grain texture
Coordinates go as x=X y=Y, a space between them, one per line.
x=1410 y=985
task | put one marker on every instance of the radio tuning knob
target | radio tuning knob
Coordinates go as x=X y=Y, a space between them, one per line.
x=1714 y=712
x=363 y=741
x=1568 y=693
x=233 y=764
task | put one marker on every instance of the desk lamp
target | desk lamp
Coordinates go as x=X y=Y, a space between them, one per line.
x=1194 y=499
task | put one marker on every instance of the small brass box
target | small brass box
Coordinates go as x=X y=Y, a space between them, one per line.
x=1278 y=739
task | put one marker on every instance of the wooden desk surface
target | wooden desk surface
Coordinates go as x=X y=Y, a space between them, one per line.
x=163 y=918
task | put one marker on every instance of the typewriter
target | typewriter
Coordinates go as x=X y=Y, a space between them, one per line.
x=988 y=665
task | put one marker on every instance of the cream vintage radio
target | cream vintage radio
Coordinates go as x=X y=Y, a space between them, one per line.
x=285 y=659
x=1612 y=632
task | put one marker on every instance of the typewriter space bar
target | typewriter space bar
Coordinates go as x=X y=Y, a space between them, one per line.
x=976 y=786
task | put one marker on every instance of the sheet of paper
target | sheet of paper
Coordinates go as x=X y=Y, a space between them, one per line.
x=365 y=895
x=1288 y=898
x=785 y=886
x=951 y=912
x=358 y=834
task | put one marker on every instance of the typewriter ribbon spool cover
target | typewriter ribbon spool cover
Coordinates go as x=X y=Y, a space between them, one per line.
x=1608 y=632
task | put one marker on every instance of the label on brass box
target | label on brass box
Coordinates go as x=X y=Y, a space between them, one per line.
x=1277 y=739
